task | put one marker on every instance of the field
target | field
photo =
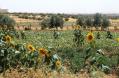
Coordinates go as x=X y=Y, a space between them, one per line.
x=22 y=23
x=72 y=57
x=45 y=39
x=72 y=52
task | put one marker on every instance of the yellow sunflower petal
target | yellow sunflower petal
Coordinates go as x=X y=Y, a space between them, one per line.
x=58 y=63
x=90 y=37
x=8 y=39
x=117 y=39
x=30 y=47
x=42 y=51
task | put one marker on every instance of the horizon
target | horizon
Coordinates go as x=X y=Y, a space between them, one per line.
x=62 y=6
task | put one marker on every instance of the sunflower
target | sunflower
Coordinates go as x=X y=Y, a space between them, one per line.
x=43 y=51
x=30 y=47
x=117 y=39
x=90 y=37
x=77 y=27
x=8 y=39
x=58 y=63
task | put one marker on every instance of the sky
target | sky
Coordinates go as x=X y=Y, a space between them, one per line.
x=61 y=6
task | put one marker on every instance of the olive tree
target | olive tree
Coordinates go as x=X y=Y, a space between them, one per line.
x=6 y=22
x=89 y=22
x=44 y=24
x=81 y=21
x=56 y=21
x=97 y=20
x=105 y=22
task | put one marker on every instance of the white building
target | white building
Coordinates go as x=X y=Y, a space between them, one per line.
x=3 y=10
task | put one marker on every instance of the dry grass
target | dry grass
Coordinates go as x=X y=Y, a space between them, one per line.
x=23 y=20
x=115 y=20
x=39 y=73
x=72 y=20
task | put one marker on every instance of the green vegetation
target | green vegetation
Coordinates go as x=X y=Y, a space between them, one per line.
x=76 y=56
x=106 y=22
x=78 y=49
x=81 y=21
x=98 y=20
x=54 y=21
x=6 y=22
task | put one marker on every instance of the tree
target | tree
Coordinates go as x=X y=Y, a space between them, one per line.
x=97 y=20
x=66 y=19
x=89 y=22
x=56 y=21
x=105 y=22
x=6 y=22
x=80 y=21
x=44 y=24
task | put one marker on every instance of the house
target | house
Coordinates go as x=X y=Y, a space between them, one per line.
x=3 y=10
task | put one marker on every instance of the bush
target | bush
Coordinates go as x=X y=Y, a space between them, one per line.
x=6 y=22
x=66 y=19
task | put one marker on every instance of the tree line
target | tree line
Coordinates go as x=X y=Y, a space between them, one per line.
x=57 y=20
x=98 y=20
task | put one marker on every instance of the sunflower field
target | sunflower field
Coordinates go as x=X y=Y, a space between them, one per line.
x=76 y=51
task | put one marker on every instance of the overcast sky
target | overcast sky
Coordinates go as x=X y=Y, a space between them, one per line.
x=61 y=6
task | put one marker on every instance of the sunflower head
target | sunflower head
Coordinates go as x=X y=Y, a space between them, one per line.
x=77 y=27
x=30 y=47
x=117 y=39
x=58 y=63
x=43 y=51
x=90 y=37
x=8 y=39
